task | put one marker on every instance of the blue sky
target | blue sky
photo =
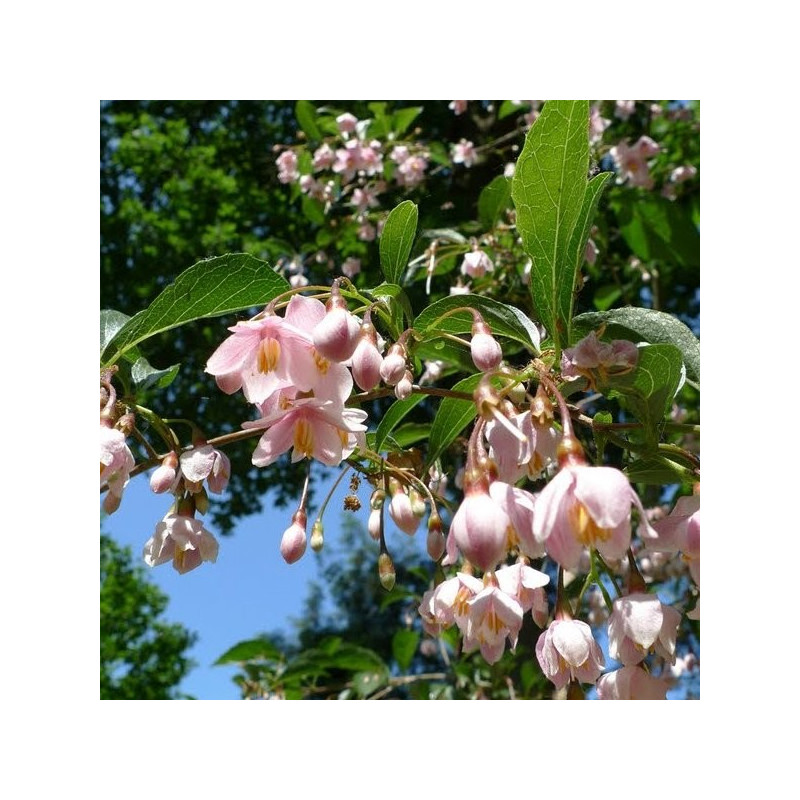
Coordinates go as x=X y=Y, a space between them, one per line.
x=249 y=590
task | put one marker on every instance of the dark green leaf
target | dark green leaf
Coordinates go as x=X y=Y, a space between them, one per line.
x=493 y=200
x=111 y=322
x=605 y=297
x=397 y=239
x=658 y=470
x=649 y=389
x=398 y=302
x=509 y=107
x=549 y=189
x=411 y=433
x=313 y=210
x=307 y=118
x=210 y=288
x=600 y=436
x=658 y=229
x=397 y=411
x=504 y=320
x=250 y=650
x=644 y=325
x=583 y=225
x=146 y=376
x=404 y=645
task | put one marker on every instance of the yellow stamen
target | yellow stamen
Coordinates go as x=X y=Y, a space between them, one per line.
x=304 y=438
x=587 y=531
x=321 y=362
x=269 y=353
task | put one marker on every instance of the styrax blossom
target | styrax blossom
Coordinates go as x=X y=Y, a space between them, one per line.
x=476 y=264
x=638 y=623
x=680 y=531
x=182 y=540
x=265 y=354
x=493 y=617
x=448 y=603
x=586 y=506
x=166 y=476
x=205 y=463
x=293 y=541
x=524 y=584
x=312 y=428
x=631 y=683
x=518 y=505
x=567 y=650
x=116 y=463
x=594 y=359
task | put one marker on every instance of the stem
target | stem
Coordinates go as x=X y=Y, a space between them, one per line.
x=563 y=410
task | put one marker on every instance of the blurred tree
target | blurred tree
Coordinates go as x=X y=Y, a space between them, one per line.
x=141 y=657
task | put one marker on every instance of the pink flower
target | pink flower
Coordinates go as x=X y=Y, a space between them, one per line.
x=624 y=108
x=448 y=603
x=597 y=125
x=631 y=162
x=638 y=623
x=524 y=584
x=205 y=463
x=363 y=199
x=567 y=651
x=393 y=366
x=182 y=540
x=402 y=512
x=479 y=529
x=592 y=358
x=311 y=427
x=464 y=153
x=293 y=541
x=116 y=463
x=346 y=123
x=476 y=264
x=684 y=173
x=323 y=157
x=680 y=531
x=458 y=106
x=510 y=453
x=586 y=506
x=519 y=507
x=631 y=683
x=591 y=251
x=411 y=171
x=336 y=335
x=367 y=360
x=166 y=476
x=493 y=617
x=287 y=166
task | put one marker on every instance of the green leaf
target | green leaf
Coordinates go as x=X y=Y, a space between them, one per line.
x=583 y=225
x=307 y=118
x=111 y=322
x=504 y=320
x=398 y=302
x=649 y=389
x=411 y=433
x=313 y=210
x=397 y=239
x=658 y=229
x=146 y=376
x=493 y=200
x=600 y=435
x=211 y=288
x=658 y=470
x=397 y=411
x=260 y=649
x=402 y=119
x=452 y=417
x=549 y=190
x=509 y=107
x=604 y=298
x=366 y=683
x=404 y=646
x=644 y=325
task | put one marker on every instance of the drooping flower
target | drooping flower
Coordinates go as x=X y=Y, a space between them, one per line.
x=311 y=427
x=458 y=106
x=182 y=540
x=585 y=506
x=287 y=166
x=116 y=463
x=493 y=617
x=595 y=360
x=631 y=683
x=166 y=476
x=464 y=153
x=679 y=532
x=476 y=264
x=638 y=623
x=205 y=463
x=525 y=585
x=567 y=651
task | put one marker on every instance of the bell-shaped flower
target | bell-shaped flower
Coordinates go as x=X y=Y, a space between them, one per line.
x=205 y=463
x=116 y=463
x=476 y=264
x=182 y=540
x=567 y=651
x=585 y=506
x=311 y=428
x=594 y=359
x=680 y=531
x=525 y=585
x=493 y=617
x=479 y=529
x=641 y=622
x=518 y=504
x=448 y=603
x=631 y=683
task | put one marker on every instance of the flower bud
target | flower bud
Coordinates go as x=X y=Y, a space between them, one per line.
x=417 y=503
x=367 y=360
x=377 y=499
x=480 y=526
x=386 y=571
x=404 y=386
x=374 y=524
x=484 y=348
x=435 y=541
x=317 y=536
x=164 y=476
x=336 y=335
x=293 y=542
x=402 y=512
x=393 y=366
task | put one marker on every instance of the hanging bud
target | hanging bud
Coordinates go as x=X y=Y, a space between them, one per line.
x=336 y=335
x=402 y=512
x=367 y=360
x=374 y=524
x=293 y=543
x=164 y=476
x=377 y=499
x=435 y=542
x=386 y=571
x=417 y=503
x=393 y=366
x=484 y=348
x=404 y=386
x=317 y=539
